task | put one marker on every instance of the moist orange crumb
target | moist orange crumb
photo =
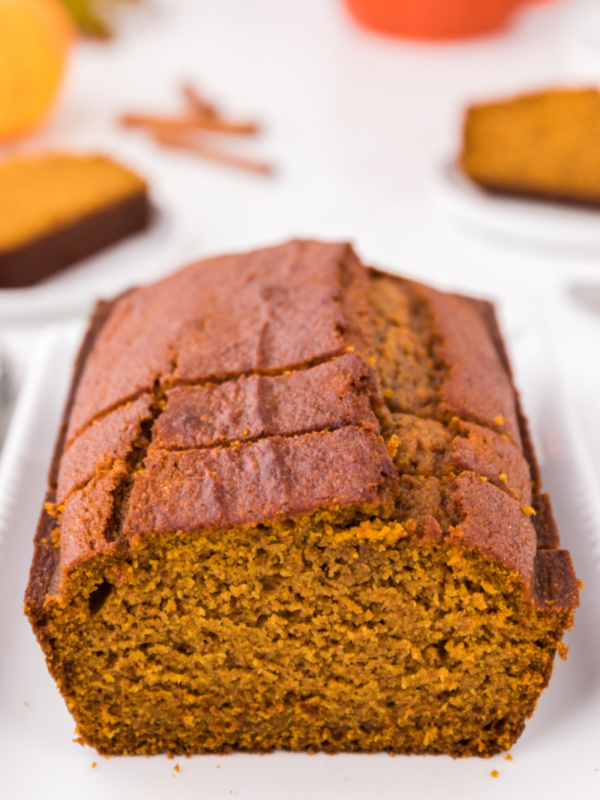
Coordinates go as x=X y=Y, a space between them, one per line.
x=393 y=445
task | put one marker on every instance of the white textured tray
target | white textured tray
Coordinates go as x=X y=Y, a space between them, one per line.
x=559 y=751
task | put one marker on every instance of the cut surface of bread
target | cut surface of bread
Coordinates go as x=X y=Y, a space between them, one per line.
x=304 y=514
x=541 y=145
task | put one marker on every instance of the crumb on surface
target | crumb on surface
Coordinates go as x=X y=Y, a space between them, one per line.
x=393 y=445
x=94 y=764
x=494 y=773
x=508 y=757
x=563 y=650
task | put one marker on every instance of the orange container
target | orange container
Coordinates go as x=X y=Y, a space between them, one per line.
x=433 y=19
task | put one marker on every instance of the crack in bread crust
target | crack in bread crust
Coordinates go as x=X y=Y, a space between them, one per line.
x=204 y=382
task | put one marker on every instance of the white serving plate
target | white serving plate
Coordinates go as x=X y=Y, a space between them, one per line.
x=558 y=753
x=543 y=223
x=140 y=258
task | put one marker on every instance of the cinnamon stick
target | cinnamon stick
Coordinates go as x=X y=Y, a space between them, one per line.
x=198 y=105
x=178 y=140
x=188 y=123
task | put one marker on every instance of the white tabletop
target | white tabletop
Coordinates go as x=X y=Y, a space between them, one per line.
x=358 y=126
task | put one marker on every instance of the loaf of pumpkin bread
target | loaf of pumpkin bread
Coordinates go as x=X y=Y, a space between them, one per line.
x=294 y=505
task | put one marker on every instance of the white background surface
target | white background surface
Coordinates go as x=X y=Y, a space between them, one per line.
x=357 y=125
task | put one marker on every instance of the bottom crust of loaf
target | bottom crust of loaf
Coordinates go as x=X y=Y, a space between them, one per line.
x=299 y=636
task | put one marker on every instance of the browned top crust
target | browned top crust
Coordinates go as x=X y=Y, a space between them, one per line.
x=328 y=396
x=264 y=312
x=477 y=389
x=265 y=480
x=250 y=389
x=494 y=525
x=488 y=454
x=108 y=439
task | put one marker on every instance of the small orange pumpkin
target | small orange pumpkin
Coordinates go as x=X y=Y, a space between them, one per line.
x=35 y=37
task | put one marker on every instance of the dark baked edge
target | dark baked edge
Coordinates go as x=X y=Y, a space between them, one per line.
x=46 y=254
x=555 y=582
x=46 y=556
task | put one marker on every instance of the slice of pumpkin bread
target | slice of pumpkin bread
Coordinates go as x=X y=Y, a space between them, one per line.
x=58 y=208
x=542 y=145
x=294 y=505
